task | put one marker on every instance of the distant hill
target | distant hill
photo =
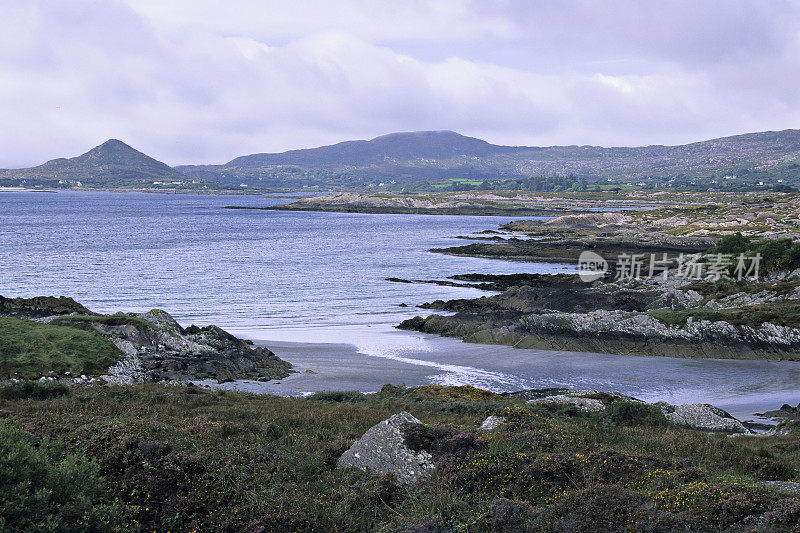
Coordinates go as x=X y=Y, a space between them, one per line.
x=112 y=164
x=442 y=155
x=443 y=160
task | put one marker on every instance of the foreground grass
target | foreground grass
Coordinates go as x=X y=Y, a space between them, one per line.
x=160 y=458
x=30 y=349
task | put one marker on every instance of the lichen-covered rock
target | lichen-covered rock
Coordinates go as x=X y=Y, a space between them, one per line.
x=702 y=416
x=382 y=449
x=586 y=405
x=492 y=422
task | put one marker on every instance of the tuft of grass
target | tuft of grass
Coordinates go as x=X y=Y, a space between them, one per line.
x=29 y=349
x=337 y=396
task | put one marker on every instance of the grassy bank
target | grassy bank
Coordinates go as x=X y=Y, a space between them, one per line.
x=161 y=458
x=30 y=349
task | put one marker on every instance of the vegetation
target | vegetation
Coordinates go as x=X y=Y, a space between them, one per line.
x=151 y=457
x=776 y=254
x=20 y=390
x=44 y=487
x=782 y=313
x=29 y=349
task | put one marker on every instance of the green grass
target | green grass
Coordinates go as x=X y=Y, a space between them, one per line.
x=780 y=313
x=189 y=459
x=30 y=349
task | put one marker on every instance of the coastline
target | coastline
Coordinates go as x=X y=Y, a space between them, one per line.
x=365 y=358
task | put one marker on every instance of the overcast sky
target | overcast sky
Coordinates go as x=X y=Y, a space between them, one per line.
x=203 y=81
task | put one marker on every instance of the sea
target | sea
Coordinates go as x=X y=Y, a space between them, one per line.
x=313 y=288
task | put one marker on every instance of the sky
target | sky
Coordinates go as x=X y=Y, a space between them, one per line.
x=204 y=81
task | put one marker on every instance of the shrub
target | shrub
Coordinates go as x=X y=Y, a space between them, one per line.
x=22 y=390
x=337 y=396
x=770 y=468
x=42 y=488
x=624 y=413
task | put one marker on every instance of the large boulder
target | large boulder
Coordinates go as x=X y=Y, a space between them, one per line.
x=702 y=416
x=492 y=422
x=383 y=449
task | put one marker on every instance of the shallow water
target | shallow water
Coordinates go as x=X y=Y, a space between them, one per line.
x=312 y=287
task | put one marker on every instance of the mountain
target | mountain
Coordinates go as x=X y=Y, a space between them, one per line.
x=431 y=156
x=112 y=164
x=395 y=146
x=426 y=160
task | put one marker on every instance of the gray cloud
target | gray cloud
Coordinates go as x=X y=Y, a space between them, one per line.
x=196 y=81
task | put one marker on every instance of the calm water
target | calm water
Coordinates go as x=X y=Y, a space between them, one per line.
x=312 y=286
x=235 y=268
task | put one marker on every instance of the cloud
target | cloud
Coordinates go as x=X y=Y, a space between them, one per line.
x=200 y=81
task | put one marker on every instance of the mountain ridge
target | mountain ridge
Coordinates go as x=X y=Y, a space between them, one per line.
x=427 y=158
x=427 y=155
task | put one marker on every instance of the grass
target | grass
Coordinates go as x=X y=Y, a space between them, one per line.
x=782 y=313
x=185 y=459
x=30 y=349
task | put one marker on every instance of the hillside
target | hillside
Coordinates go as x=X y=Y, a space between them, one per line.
x=445 y=155
x=112 y=164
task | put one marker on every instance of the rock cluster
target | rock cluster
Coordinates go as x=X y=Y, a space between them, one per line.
x=158 y=349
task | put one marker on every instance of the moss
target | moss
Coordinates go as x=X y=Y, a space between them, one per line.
x=30 y=349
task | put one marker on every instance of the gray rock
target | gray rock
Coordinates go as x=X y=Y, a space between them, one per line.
x=789 y=488
x=586 y=405
x=382 y=449
x=702 y=416
x=492 y=422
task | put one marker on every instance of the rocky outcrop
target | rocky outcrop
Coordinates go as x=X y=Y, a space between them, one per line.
x=158 y=349
x=383 y=449
x=154 y=346
x=585 y=405
x=702 y=416
x=617 y=332
x=40 y=307
x=653 y=317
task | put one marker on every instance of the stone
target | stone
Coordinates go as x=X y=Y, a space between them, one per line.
x=492 y=422
x=382 y=449
x=586 y=405
x=788 y=488
x=702 y=416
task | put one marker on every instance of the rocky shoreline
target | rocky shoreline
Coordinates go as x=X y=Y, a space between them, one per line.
x=673 y=317
x=152 y=346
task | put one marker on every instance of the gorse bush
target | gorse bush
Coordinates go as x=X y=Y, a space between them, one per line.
x=44 y=489
x=623 y=413
x=34 y=390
